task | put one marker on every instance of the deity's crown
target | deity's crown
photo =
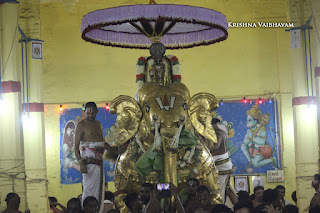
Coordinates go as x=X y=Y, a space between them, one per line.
x=257 y=115
x=255 y=112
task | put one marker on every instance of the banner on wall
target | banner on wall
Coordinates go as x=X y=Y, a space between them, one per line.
x=252 y=140
x=69 y=166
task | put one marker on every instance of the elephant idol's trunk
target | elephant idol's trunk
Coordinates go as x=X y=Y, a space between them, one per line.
x=170 y=168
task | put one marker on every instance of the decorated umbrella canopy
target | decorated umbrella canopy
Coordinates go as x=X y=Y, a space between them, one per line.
x=138 y=26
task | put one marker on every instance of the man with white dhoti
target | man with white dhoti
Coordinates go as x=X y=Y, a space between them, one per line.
x=90 y=139
x=222 y=161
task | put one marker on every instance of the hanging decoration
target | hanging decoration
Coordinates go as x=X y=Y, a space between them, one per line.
x=138 y=26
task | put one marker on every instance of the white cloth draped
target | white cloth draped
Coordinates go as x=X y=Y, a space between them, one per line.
x=223 y=178
x=93 y=182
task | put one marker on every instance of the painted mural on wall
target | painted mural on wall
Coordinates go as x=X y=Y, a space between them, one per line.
x=251 y=132
x=69 y=165
x=252 y=143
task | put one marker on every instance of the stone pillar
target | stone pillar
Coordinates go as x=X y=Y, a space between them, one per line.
x=305 y=128
x=34 y=137
x=12 y=168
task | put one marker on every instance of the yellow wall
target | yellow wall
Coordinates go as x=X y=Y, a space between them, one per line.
x=252 y=61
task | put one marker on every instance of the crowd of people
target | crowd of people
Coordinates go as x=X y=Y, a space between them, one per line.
x=193 y=198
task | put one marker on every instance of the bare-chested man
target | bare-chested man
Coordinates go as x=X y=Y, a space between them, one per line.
x=315 y=202
x=13 y=203
x=89 y=138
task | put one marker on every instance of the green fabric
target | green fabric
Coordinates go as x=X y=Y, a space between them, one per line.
x=151 y=160
x=187 y=139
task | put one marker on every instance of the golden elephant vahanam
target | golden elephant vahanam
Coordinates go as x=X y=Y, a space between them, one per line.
x=169 y=143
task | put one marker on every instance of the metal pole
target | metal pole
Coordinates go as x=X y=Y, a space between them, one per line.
x=310 y=64
x=22 y=64
x=27 y=78
x=305 y=52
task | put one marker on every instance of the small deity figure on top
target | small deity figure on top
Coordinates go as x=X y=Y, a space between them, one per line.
x=158 y=68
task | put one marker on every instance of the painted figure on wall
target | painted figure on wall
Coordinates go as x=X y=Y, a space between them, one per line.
x=255 y=146
x=69 y=158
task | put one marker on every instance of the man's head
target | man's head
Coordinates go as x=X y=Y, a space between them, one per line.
x=73 y=203
x=282 y=191
x=53 y=202
x=243 y=195
x=204 y=197
x=133 y=202
x=215 y=121
x=316 y=181
x=90 y=205
x=145 y=191
x=109 y=196
x=91 y=111
x=192 y=185
x=258 y=193
x=244 y=206
x=272 y=197
x=13 y=201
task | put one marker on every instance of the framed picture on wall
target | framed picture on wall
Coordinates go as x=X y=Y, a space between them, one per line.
x=241 y=183
x=258 y=181
x=37 y=51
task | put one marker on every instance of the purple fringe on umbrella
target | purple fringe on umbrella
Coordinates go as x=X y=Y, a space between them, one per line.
x=215 y=32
